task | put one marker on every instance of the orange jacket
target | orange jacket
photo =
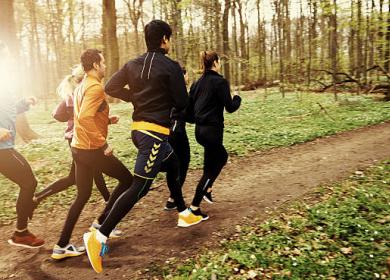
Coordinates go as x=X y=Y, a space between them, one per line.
x=91 y=115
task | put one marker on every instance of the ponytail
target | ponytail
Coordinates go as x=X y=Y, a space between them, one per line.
x=207 y=59
x=69 y=83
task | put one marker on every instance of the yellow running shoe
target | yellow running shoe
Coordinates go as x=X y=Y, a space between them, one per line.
x=95 y=250
x=187 y=218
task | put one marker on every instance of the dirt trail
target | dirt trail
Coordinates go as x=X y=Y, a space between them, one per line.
x=246 y=188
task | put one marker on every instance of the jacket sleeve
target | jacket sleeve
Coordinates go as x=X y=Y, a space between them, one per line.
x=61 y=113
x=90 y=105
x=115 y=87
x=178 y=88
x=22 y=106
x=223 y=91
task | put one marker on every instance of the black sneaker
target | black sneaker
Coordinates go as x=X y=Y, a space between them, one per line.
x=170 y=206
x=199 y=213
x=208 y=198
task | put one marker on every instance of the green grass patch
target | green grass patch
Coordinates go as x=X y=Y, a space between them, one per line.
x=263 y=122
x=343 y=236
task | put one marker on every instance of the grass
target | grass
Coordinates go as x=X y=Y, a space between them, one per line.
x=263 y=122
x=343 y=236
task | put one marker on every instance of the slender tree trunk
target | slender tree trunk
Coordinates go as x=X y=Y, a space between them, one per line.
x=225 y=38
x=259 y=42
x=359 y=43
x=281 y=48
x=351 y=41
x=334 y=46
x=243 y=48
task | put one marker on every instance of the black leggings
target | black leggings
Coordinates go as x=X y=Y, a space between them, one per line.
x=179 y=142
x=215 y=158
x=70 y=180
x=141 y=184
x=87 y=161
x=15 y=167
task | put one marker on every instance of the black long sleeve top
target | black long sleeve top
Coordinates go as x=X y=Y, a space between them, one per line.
x=209 y=96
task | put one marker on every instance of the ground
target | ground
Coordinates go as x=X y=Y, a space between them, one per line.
x=248 y=187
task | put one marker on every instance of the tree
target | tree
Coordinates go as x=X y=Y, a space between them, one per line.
x=135 y=11
x=225 y=38
x=110 y=41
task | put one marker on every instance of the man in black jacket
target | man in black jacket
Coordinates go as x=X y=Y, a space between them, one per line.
x=156 y=85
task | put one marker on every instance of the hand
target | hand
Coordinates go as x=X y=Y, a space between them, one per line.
x=32 y=100
x=5 y=135
x=114 y=119
x=108 y=151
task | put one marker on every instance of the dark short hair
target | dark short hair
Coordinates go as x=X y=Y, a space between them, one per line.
x=89 y=57
x=207 y=59
x=154 y=33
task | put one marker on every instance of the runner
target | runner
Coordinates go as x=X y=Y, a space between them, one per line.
x=64 y=113
x=12 y=164
x=208 y=98
x=156 y=86
x=178 y=139
x=90 y=150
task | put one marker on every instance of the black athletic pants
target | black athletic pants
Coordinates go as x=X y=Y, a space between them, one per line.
x=70 y=180
x=155 y=154
x=178 y=139
x=15 y=167
x=215 y=158
x=87 y=161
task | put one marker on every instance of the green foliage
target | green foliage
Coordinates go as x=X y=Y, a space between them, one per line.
x=345 y=236
x=263 y=122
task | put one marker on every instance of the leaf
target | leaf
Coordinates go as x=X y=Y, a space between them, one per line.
x=346 y=250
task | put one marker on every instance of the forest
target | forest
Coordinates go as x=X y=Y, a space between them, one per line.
x=316 y=45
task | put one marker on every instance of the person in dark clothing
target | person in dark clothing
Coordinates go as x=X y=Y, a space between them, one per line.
x=64 y=113
x=156 y=85
x=179 y=141
x=209 y=96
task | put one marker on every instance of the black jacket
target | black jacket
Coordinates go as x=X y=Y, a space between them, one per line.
x=208 y=97
x=156 y=85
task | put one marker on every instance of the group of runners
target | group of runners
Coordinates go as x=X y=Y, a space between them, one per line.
x=155 y=85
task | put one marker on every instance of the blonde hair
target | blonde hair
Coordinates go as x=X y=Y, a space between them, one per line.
x=70 y=82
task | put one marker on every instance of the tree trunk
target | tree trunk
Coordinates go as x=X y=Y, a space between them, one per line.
x=225 y=38
x=333 y=55
x=110 y=41
x=351 y=40
x=235 y=68
x=280 y=44
x=359 y=44
x=243 y=49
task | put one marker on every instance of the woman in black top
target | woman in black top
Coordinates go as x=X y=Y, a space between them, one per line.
x=209 y=96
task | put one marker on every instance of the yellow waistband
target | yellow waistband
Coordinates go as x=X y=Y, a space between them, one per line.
x=150 y=126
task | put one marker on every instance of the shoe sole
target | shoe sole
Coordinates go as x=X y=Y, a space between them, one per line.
x=184 y=225
x=169 y=209
x=24 y=245
x=205 y=218
x=207 y=200
x=85 y=240
x=64 y=256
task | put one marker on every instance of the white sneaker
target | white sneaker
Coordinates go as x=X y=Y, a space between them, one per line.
x=115 y=233
x=66 y=252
